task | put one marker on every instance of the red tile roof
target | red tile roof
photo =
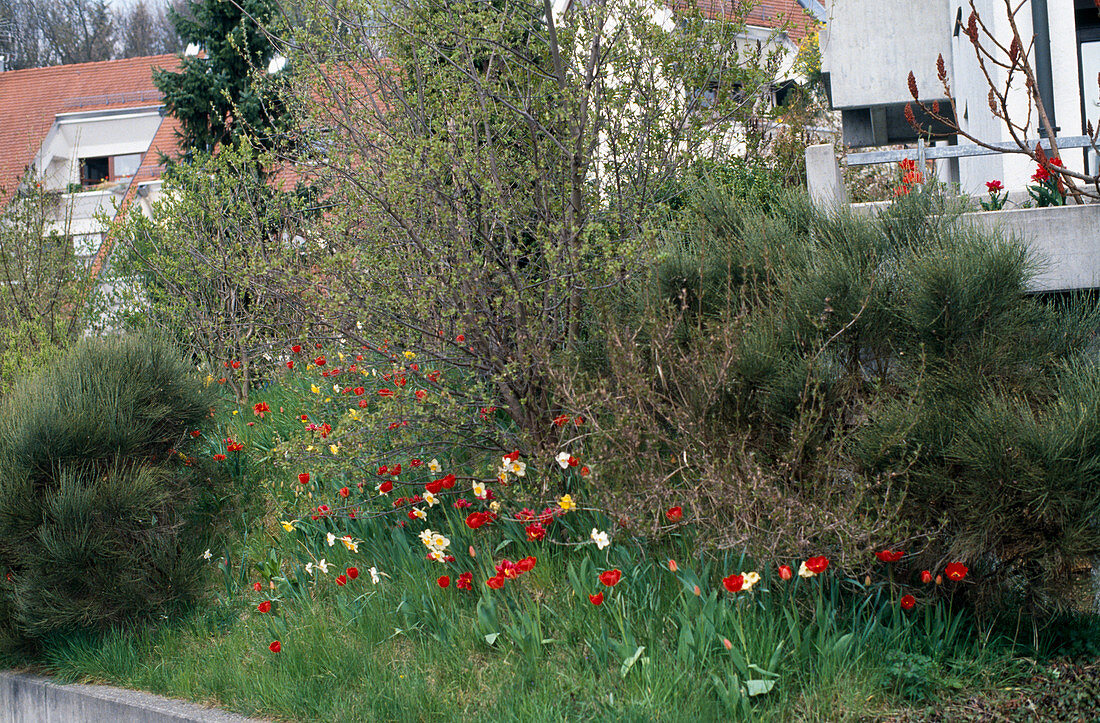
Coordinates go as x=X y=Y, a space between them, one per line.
x=30 y=99
x=765 y=14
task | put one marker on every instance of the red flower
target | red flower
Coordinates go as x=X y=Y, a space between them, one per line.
x=596 y=599
x=362 y=403
x=956 y=571
x=385 y=392
x=1041 y=174
x=817 y=565
x=341 y=580
x=296 y=348
x=264 y=607
x=585 y=471
x=611 y=577
x=414 y=463
x=259 y=408
x=195 y=433
x=358 y=391
x=420 y=394
x=675 y=514
x=734 y=583
x=994 y=186
x=303 y=478
x=908 y=602
x=257 y=586
x=925 y=576
x=320 y=361
x=496 y=582
x=290 y=364
x=434 y=487
x=235 y=364
x=560 y=420
x=535 y=532
x=383 y=470
x=353 y=572
x=344 y=492
x=912 y=177
x=448 y=482
x=461 y=503
x=275 y=647
x=785 y=572
x=907 y=164
x=476 y=519
x=385 y=486
x=465 y=581
x=888 y=555
x=443 y=581
x=219 y=457
x=460 y=338
x=526 y=564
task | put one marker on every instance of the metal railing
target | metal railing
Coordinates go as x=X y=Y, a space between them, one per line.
x=934 y=153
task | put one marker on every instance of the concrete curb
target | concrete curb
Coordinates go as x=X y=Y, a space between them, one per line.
x=28 y=698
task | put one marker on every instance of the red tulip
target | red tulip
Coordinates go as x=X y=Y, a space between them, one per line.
x=817 y=565
x=675 y=514
x=925 y=576
x=385 y=486
x=908 y=602
x=275 y=647
x=734 y=583
x=496 y=581
x=341 y=580
x=785 y=572
x=596 y=599
x=443 y=581
x=611 y=577
x=955 y=571
x=476 y=519
x=296 y=348
x=353 y=572
x=344 y=492
x=526 y=564
x=889 y=555
x=303 y=478
x=257 y=586
x=264 y=607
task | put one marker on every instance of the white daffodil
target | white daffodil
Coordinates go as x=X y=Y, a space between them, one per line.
x=440 y=542
x=600 y=538
x=519 y=469
x=431 y=499
x=563 y=460
x=309 y=568
x=434 y=466
x=419 y=513
x=480 y=491
x=435 y=555
x=349 y=543
x=426 y=537
x=374 y=576
x=804 y=571
x=494 y=506
x=206 y=555
x=749 y=579
x=330 y=538
x=322 y=566
x=336 y=388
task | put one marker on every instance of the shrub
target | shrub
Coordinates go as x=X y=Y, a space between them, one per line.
x=103 y=516
x=804 y=380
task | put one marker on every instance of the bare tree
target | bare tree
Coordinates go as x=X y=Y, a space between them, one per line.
x=78 y=31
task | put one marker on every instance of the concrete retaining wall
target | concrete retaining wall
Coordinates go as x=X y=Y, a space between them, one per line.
x=31 y=699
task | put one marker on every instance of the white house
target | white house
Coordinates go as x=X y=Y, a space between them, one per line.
x=870 y=46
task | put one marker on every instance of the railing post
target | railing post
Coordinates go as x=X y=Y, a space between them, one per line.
x=823 y=179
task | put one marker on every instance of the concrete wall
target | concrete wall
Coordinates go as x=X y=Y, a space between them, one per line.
x=31 y=699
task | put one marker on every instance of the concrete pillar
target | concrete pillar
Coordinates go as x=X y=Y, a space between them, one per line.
x=823 y=179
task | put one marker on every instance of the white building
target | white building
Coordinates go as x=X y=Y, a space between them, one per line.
x=870 y=46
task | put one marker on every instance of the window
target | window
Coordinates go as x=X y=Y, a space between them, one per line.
x=94 y=171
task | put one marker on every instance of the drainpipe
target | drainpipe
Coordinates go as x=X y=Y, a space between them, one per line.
x=1043 y=75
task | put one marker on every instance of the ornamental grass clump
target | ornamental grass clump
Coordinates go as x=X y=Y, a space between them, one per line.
x=104 y=514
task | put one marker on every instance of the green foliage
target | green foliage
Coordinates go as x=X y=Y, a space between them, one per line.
x=223 y=93
x=103 y=517
x=892 y=371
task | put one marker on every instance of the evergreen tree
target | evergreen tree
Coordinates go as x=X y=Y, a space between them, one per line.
x=216 y=95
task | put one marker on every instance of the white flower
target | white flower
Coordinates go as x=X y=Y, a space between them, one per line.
x=749 y=579
x=563 y=460
x=480 y=491
x=426 y=537
x=600 y=538
x=419 y=513
x=431 y=499
x=349 y=543
x=206 y=555
x=435 y=555
x=309 y=567
x=374 y=576
x=434 y=466
x=804 y=571
x=331 y=539
x=336 y=388
x=440 y=542
x=323 y=566
x=378 y=488
x=494 y=506
x=519 y=469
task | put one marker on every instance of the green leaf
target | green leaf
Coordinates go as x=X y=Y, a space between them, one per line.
x=758 y=687
x=491 y=638
x=628 y=663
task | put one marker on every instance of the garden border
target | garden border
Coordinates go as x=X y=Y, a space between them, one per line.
x=26 y=698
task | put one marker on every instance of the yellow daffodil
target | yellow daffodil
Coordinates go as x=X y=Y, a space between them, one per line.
x=409 y=355
x=566 y=503
x=313 y=388
x=288 y=526
x=334 y=448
